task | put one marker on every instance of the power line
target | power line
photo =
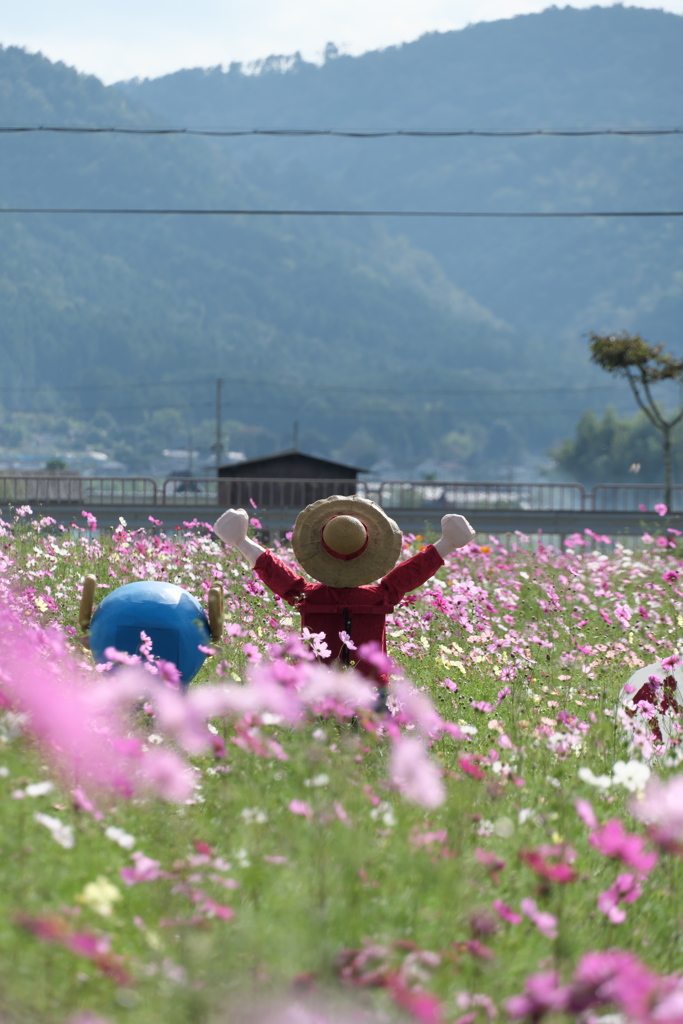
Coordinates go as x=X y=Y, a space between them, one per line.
x=109 y=387
x=318 y=387
x=342 y=213
x=342 y=134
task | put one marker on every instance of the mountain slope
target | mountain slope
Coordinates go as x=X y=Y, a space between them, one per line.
x=288 y=312
x=563 y=68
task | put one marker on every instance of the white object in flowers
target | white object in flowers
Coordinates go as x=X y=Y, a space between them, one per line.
x=39 y=788
x=61 y=833
x=117 y=835
x=384 y=813
x=317 y=780
x=253 y=816
x=599 y=781
x=632 y=775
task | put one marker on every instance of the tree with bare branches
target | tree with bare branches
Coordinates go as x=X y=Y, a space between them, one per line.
x=642 y=364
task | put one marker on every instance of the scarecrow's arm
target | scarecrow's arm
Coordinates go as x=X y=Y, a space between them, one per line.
x=232 y=530
x=408 y=575
x=455 y=533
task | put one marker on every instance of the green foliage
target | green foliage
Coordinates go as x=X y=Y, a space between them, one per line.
x=642 y=364
x=292 y=315
x=623 y=353
x=604 y=450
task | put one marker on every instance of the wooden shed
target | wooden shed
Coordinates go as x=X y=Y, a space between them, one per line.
x=288 y=479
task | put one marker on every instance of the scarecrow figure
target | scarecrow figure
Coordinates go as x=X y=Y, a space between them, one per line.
x=346 y=543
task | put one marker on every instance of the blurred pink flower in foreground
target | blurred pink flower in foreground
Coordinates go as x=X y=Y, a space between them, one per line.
x=76 y=720
x=301 y=808
x=542 y=994
x=626 y=889
x=661 y=808
x=507 y=913
x=601 y=979
x=546 y=923
x=414 y=773
x=612 y=840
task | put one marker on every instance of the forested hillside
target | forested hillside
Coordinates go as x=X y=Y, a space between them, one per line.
x=303 y=320
x=404 y=339
x=602 y=67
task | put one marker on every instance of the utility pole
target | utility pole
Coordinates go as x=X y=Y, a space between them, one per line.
x=218 y=447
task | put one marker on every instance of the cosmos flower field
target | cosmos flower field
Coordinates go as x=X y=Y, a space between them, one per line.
x=504 y=845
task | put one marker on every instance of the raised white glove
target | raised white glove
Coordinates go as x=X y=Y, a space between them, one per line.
x=232 y=528
x=455 y=533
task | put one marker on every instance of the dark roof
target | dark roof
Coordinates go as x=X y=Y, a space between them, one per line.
x=282 y=456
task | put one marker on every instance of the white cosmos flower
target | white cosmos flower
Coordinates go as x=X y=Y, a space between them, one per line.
x=39 y=788
x=632 y=775
x=317 y=780
x=384 y=813
x=61 y=833
x=117 y=835
x=253 y=816
x=599 y=781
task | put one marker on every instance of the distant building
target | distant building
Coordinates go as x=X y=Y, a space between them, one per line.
x=288 y=479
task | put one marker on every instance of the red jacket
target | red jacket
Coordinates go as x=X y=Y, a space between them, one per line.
x=329 y=610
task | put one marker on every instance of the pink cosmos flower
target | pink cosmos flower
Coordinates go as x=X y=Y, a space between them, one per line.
x=252 y=652
x=416 y=708
x=167 y=775
x=612 y=840
x=625 y=889
x=325 y=689
x=661 y=808
x=661 y=509
x=538 y=861
x=546 y=923
x=79 y=726
x=144 y=870
x=301 y=808
x=613 y=977
x=373 y=653
x=468 y=764
x=507 y=913
x=90 y=519
x=492 y=862
x=585 y=811
x=346 y=640
x=542 y=994
x=414 y=773
x=422 y=1006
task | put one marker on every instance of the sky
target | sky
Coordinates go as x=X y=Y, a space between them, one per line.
x=119 y=39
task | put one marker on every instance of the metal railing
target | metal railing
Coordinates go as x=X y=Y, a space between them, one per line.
x=74 y=490
x=245 y=492
x=428 y=495
x=633 y=498
x=275 y=492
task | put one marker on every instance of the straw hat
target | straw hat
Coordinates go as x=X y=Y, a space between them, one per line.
x=346 y=542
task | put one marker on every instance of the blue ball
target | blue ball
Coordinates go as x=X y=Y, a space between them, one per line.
x=173 y=619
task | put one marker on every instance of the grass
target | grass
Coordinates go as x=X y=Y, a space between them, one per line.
x=363 y=869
